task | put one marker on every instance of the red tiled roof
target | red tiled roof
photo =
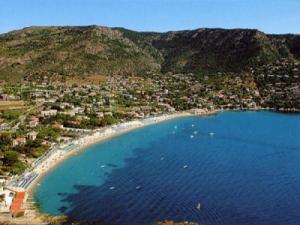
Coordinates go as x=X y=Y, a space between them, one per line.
x=16 y=206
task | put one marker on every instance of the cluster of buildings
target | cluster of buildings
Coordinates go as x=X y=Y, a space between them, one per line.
x=279 y=85
x=127 y=97
x=73 y=109
x=12 y=202
x=30 y=136
x=123 y=98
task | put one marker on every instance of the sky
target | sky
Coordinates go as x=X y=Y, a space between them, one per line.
x=270 y=16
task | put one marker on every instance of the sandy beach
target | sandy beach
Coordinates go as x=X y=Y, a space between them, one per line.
x=55 y=156
x=98 y=136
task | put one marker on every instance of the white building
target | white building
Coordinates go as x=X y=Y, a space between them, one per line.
x=51 y=112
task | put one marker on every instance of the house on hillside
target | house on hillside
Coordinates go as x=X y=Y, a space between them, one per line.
x=4 y=126
x=19 y=141
x=51 y=112
x=58 y=126
x=32 y=135
x=34 y=121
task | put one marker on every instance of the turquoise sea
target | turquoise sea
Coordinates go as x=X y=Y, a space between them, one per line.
x=235 y=168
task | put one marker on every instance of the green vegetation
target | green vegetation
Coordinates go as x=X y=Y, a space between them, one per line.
x=59 y=52
x=13 y=158
x=91 y=77
x=65 y=52
x=10 y=115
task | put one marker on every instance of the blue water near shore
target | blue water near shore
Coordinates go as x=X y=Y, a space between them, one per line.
x=248 y=172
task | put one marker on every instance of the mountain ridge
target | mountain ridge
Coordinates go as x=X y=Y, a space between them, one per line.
x=66 y=51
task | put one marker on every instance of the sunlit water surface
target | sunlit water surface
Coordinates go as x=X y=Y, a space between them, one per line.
x=236 y=168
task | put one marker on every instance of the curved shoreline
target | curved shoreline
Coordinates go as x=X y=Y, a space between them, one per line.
x=59 y=155
x=96 y=139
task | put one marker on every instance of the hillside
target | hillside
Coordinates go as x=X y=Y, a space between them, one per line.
x=213 y=50
x=69 y=51
x=93 y=50
x=288 y=42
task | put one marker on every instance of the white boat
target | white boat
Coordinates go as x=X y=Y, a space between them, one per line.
x=185 y=166
x=195 y=132
x=102 y=166
x=198 y=206
x=138 y=187
x=112 y=188
x=211 y=133
x=192 y=136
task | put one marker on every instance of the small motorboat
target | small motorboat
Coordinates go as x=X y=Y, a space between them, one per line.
x=195 y=132
x=102 y=166
x=112 y=188
x=192 y=136
x=185 y=166
x=211 y=133
x=138 y=187
x=198 y=206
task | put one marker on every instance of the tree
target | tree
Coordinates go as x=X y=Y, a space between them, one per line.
x=11 y=115
x=18 y=168
x=5 y=139
x=108 y=120
x=10 y=157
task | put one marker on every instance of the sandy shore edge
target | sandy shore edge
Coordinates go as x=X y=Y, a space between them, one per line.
x=86 y=142
x=98 y=136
